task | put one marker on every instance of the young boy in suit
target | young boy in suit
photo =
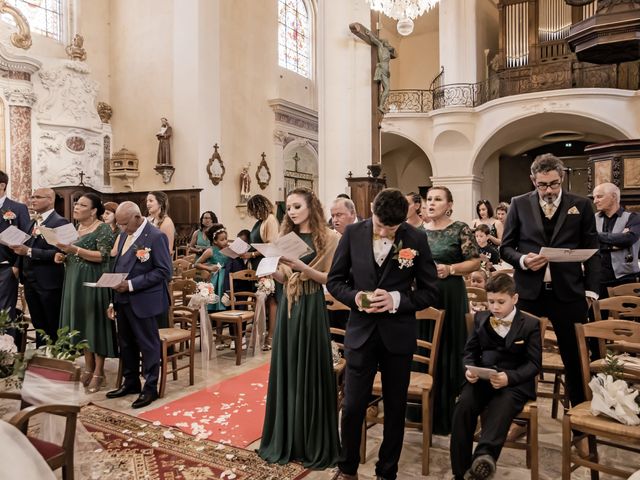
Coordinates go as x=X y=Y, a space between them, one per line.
x=508 y=341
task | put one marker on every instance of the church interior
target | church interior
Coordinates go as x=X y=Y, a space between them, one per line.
x=213 y=101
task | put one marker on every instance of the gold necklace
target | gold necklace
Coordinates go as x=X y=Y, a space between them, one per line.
x=82 y=228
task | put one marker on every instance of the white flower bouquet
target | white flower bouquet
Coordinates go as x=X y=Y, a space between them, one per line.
x=615 y=399
x=266 y=285
x=205 y=293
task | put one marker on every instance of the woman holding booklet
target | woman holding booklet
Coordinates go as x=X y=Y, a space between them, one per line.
x=84 y=308
x=301 y=421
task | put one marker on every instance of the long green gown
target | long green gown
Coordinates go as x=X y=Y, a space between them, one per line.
x=453 y=244
x=301 y=421
x=84 y=308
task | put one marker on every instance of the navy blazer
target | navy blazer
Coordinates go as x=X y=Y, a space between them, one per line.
x=520 y=357
x=524 y=233
x=22 y=222
x=150 y=279
x=40 y=270
x=354 y=270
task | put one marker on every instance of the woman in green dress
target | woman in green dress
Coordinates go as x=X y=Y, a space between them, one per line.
x=301 y=421
x=199 y=241
x=214 y=262
x=455 y=252
x=84 y=308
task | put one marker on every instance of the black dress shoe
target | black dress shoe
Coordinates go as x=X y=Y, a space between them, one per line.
x=122 y=391
x=144 y=399
x=482 y=468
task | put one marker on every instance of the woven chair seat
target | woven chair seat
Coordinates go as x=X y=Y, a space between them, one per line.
x=232 y=315
x=417 y=383
x=552 y=361
x=340 y=366
x=174 y=334
x=581 y=416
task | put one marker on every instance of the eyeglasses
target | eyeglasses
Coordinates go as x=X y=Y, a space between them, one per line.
x=552 y=185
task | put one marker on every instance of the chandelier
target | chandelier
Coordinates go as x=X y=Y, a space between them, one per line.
x=402 y=10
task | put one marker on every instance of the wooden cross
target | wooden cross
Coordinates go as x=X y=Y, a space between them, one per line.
x=82 y=174
x=381 y=52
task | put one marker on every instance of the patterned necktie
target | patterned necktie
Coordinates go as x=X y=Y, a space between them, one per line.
x=549 y=209
x=127 y=244
x=496 y=322
x=39 y=219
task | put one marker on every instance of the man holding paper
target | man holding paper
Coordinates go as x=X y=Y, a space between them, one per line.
x=143 y=253
x=17 y=215
x=551 y=217
x=41 y=276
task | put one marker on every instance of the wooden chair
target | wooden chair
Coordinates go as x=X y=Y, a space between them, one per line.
x=420 y=387
x=235 y=316
x=190 y=273
x=620 y=307
x=180 y=289
x=628 y=289
x=341 y=365
x=180 y=266
x=476 y=294
x=56 y=456
x=552 y=364
x=182 y=339
x=599 y=429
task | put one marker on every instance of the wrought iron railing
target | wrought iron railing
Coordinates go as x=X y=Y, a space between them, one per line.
x=550 y=76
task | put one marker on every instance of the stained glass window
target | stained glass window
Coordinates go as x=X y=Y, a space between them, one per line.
x=294 y=37
x=44 y=16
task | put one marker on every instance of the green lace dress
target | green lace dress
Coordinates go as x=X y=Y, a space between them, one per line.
x=84 y=308
x=301 y=421
x=453 y=244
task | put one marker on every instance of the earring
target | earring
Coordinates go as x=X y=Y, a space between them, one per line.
x=448 y=212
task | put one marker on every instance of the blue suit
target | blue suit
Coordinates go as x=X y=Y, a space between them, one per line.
x=8 y=259
x=137 y=310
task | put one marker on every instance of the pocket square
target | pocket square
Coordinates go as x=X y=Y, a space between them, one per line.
x=519 y=342
x=573 y=211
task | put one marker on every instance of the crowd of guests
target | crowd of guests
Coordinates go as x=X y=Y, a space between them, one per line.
x=358 y=262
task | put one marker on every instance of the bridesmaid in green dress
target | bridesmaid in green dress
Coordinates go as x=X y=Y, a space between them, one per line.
x=214 y=262
x=301 y=421
x=455 y=252
x=84 y=308
x=199 y=241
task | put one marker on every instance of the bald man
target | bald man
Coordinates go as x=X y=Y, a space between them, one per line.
x=41 y=276
x=619 y=234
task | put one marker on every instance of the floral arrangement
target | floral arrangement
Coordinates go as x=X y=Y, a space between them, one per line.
x=404 y=256
x=8 y=215
x=266 y=285
x=142 y=254
x=9 y=356
x=206 y=293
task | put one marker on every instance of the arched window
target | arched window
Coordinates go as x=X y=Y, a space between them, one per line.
x=44 y=16
x=294 y=37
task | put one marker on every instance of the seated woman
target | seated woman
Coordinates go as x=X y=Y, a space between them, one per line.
x=199 y=241
x=485 y=216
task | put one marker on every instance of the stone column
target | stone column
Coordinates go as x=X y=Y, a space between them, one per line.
x=458 y=41
x=466 y=191
x=20 y=100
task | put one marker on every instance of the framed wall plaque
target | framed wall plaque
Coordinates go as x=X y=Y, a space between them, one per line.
x=263 y=175
x=632 y=172
x=215 y=167
x=602 y=172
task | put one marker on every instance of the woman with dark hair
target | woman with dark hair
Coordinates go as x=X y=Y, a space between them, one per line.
x=265 y=230
x=414 y=214
x=455 y=252
x=199 y=241
x=301 y=421
x=157 y=207
x=501 y=212
x=485 y=216
x=84 y=308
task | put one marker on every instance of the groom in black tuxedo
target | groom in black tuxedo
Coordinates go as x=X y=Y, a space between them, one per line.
x=380 y=334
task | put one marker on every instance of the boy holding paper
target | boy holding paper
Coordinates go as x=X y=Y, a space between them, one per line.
x=508 y=341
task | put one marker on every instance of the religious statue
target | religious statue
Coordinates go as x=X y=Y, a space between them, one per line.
x=164 y=148
x=75 y=50
x=245 y=185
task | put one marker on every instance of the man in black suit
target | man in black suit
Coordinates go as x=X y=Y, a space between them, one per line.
x=508 y=341
x=551 y=217
x=16 y=214
x=370 y=275
x=41 y=276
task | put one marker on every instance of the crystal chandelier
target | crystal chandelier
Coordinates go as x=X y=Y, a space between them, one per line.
x=402 y=10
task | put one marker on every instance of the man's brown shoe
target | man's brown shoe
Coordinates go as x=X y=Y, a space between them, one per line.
x=339 y=475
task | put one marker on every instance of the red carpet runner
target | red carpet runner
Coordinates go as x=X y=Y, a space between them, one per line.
x=229 y=412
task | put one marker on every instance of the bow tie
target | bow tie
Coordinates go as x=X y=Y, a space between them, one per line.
x=378 y=237
x=496 y=322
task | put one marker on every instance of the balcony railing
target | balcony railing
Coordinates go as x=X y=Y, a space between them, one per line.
x=515 y=81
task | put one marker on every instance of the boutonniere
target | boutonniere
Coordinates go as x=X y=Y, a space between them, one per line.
x=142 y=254
x=36 y=231
x=573 y=211
x=8 y=215
x=404 y=256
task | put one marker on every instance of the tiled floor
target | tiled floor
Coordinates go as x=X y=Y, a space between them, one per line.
x=511 y=465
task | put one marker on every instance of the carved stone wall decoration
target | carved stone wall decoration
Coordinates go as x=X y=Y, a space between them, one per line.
x=215 y=167
x=76 y=144
x=75 y=50
x=104 y=112
x=263 y=174
x=21 y=38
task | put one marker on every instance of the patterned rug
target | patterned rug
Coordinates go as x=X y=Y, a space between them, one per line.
x=134 y=449
x=230 y=412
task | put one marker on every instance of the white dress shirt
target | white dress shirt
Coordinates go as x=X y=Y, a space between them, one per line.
x=502 y=330
x=381 y=248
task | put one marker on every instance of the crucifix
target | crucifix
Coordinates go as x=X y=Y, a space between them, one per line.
x=381 y=54
x=82 y=174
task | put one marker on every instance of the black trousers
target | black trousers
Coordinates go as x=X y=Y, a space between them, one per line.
x=563 y=317
x=501 y=407
x=8 y=289
x=44 y=309
x=362 y=365
x=138 y=336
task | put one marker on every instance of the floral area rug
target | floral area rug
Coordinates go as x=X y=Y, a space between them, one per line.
x=230 y=412
x=134 y=449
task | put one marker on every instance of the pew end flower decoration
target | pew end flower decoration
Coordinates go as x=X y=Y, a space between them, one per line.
x=204 y=294
x=266 y=285
x=404 y=256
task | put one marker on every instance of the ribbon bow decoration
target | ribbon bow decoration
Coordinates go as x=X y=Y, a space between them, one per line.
x=496 y=322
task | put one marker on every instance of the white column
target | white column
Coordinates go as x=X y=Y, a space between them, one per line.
x=458 y=41
x=344 y=95
x=466 y=191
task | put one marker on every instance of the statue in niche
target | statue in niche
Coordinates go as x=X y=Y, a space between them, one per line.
x=164 y=148
x=75 y=50
x=245 y=185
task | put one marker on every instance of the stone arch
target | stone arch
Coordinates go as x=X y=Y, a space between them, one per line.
x=308 y=159
x=451 y=140
x=404 y=162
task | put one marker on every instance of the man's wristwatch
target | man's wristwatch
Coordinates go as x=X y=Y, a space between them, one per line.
x=29 y=252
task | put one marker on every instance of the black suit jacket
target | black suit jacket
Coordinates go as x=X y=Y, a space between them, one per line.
x=40 y=270
x=354 y=270
x=524 y=233
x=22 y=222
x=520 y=357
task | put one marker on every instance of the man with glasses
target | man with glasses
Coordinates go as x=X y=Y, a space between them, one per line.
x=551 y=217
